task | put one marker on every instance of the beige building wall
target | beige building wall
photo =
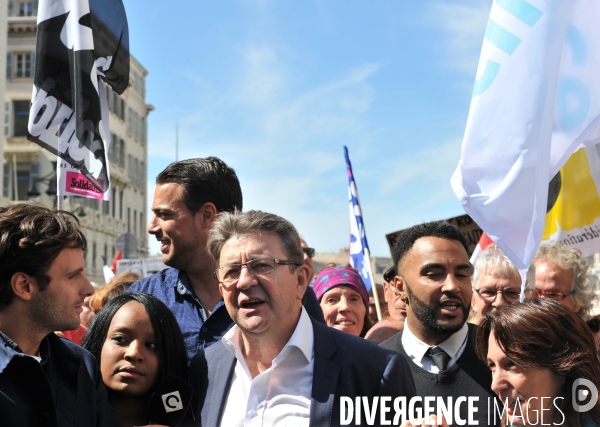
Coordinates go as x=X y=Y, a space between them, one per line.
x=26 y=164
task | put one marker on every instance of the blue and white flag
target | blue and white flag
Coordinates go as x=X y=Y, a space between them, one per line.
x=359 y=248
x=536 y=101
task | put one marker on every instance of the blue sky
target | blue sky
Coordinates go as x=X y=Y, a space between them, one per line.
x=277 y=88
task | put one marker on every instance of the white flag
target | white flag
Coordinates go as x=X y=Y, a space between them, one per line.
x=536 y=100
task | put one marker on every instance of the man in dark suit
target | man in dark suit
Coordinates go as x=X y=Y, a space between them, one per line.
x=277 y=365
x=434 y=279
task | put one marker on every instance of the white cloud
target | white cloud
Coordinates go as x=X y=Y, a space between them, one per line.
x=464 y=24
x=262 y=79
x=433 y=164
x=282 y=150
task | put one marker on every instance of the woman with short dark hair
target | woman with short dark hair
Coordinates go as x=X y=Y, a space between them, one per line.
x=539 y=349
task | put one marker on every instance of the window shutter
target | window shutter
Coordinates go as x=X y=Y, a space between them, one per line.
x=122 y=153
x=6 y=180
x=11 y=7
x=7 y=105
x=34 y=174
x=35 y=7
x=9 y=65
x=32 y=71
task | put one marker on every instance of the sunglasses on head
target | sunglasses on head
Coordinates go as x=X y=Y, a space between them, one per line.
x=309 y=251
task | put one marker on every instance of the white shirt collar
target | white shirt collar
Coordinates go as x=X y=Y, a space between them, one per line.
x=417 y=349
x=302 y=339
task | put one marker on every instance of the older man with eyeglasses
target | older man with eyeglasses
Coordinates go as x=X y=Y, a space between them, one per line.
x=561 y=273
x=277 y=365
x=497 y=282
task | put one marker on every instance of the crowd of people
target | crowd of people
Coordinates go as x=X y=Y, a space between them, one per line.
x=263 y=339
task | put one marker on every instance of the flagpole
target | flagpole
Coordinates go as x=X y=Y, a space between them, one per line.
x=374 y=287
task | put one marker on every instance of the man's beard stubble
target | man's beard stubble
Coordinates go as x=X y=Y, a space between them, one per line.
x=426 y=314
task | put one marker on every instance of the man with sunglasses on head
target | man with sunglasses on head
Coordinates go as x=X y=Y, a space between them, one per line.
x=277 y=365
x=561 y=273
x=309 y=254
x=497 y=283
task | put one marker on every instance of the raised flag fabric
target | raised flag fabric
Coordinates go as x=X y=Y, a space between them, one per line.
x=359 y=248
x=484 y=242
x=573 y=216
x=116 y=259
x=79 y=45
x=536 y=100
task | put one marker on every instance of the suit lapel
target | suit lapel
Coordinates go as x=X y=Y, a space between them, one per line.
x=325 y=377
x=219 y=382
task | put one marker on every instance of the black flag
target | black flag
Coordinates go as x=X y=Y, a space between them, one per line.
x=79 y=43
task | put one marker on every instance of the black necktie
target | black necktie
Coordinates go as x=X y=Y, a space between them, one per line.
x=440 y=357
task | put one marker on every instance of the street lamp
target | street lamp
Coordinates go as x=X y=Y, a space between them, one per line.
x=49 y=179
x=80 y=212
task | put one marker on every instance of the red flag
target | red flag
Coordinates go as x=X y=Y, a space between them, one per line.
x=484 y=242
x=118 y=256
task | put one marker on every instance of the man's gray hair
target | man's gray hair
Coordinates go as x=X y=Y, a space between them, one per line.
x=229 y=225
x=493 y=262
x=568 y=257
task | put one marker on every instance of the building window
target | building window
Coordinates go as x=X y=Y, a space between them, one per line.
x=111 y=148
x=142 y=177
x=25 y=8
x=21 y=111
x=115 y=103
x=24 y=65
x=120 y=152
x=129 y=166
x=17 y=183
x=129 y=220
x=129 y=120
x=23 y=181
x=121 y=205
x=135 y=220
x=114 y=202
x=94 y=255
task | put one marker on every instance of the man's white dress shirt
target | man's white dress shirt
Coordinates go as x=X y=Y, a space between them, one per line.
x=279 y=396
x=416 y=349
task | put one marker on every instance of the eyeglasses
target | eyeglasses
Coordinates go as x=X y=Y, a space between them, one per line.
x=309 y=251
x=594 y=325
x=558 y=296
x=511 y=295
x=230 y=274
